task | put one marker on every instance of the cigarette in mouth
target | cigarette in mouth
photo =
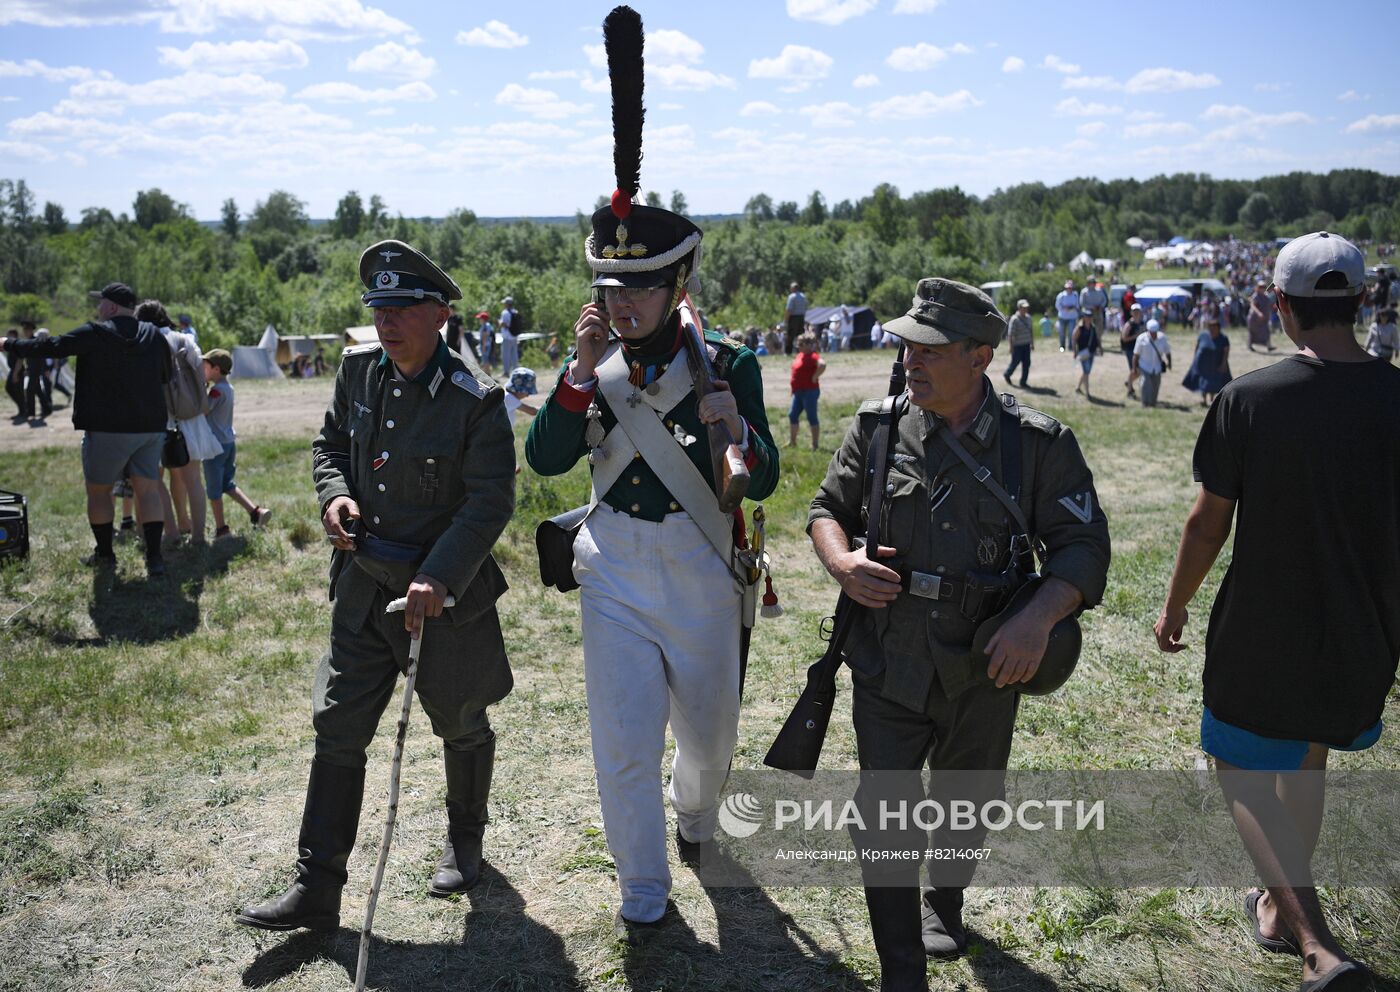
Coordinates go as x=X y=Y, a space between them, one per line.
x=634 y=323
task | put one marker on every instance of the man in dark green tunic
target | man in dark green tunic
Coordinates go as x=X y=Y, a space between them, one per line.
x=920 y=695
x=415 y=475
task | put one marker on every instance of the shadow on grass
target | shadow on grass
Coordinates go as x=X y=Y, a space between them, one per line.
x=147 y=611
x=998 y=971
x=500 y=947
x=1039 y=390
x=760 y=945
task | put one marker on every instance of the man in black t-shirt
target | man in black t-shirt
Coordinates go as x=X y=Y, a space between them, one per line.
x=1304 y=633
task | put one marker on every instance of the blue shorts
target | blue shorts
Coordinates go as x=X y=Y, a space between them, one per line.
x=804 y=399
x=1253 y=752
x=218 y=473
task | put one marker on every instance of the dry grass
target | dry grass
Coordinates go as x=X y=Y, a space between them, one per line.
x=156 y=741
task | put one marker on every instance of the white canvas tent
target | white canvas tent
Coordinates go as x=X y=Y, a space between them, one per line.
x=268 y=341
x=1081 y=261
x=1105 y=264
x=1135 y=242
x=361 y=335
x=254 y=363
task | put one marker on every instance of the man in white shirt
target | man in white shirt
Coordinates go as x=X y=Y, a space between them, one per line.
x=1067 y=310
x=1152 y=355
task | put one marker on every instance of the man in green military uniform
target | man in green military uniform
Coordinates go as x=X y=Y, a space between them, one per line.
x=415 y=474
x=920 y=696
x=655 y=557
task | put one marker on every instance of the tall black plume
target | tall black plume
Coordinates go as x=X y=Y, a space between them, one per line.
x=622 y=38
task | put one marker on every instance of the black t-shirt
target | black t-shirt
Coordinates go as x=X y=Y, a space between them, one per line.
x=1305 y=631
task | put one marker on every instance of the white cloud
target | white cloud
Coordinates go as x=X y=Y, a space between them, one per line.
x=1107 y=83
x=799 y=65
x=538 y=130
x=1075 y=107
x=1158 y=129
x=915 y=6
x=540 y=104
x=758 y=108
x=866 y=80
x=47 y=125
x=915 y=58
x=53 y=74
x=393 y=61
x=1247 y=124
x=598 y=85
x=1270 y=87
x=9 y=99
x=1374 y=122
x=339 y=92
x=546 y=74
x=961 y=49
x=1351 y=96
x=1143 y=116
x=836 y=114
x=1091 y=129
x=674 y=138
x=1013 y=63
x=25 y=149
x=831 y=12
x=236 y=56
x=189 y=88
x=1169 y=81
x=1225 y=112
x=330 y=20
x=1060 y=65
x=923 y=104
x=597 y=56
x=685 y=77
x=495 y=34
x=670 y=47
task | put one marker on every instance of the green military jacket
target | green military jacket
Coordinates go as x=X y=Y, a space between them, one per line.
x=943 y=522
x=556 y=440
x=430 y=461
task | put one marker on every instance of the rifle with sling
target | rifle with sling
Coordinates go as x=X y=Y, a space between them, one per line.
x=798 y=746
x=730 y=472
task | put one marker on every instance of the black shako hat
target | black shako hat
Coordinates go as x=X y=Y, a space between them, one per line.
x=631 y=244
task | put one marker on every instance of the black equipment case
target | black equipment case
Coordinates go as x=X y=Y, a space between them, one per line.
x=14 y=525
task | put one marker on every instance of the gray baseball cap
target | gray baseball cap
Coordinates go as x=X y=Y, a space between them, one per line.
x=1303 y=261
x=945 y=311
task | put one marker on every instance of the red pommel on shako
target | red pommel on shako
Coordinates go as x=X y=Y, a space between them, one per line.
x=621 y=204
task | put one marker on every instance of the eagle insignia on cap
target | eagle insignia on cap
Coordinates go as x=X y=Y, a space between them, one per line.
x=386 y=254
x=387 y=279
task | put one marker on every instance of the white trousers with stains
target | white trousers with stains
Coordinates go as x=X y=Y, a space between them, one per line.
x=660 y=644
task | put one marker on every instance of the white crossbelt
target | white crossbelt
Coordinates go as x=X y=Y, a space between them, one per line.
x=639 y=429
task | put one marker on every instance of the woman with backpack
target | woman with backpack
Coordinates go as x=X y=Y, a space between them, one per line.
x=187 y=401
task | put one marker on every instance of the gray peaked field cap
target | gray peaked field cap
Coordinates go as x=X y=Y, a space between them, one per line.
x=945 y=311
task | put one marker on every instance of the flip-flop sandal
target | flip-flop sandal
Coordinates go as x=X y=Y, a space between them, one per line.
x=1349 y=976
x=1276 y=945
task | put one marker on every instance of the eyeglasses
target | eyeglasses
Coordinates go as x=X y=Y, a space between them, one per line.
x=631 y=295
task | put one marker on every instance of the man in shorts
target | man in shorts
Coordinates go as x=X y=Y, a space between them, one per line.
x=122 y=367
x=1301 y=648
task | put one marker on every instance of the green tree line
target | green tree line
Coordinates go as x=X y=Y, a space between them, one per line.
x=272 y=265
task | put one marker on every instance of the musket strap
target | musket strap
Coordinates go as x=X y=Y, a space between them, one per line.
x=642 y=427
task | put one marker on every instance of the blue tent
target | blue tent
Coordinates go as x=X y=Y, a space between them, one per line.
x=1178 y=240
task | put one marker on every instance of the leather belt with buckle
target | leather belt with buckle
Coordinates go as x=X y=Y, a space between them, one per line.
x=929 y=586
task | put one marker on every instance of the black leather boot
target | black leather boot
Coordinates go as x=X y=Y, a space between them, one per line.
x=894 y=922
x=468 y=785
x=944 y=936
x=328 y=826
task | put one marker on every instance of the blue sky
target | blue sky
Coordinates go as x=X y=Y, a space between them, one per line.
x=503 y=108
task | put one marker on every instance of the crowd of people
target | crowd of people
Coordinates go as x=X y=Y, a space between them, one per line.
x=414 y=471
x=157 y=417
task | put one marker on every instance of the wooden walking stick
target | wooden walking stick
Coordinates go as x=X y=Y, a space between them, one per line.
x=395 y=768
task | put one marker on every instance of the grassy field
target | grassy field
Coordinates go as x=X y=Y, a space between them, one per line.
x=156 y=739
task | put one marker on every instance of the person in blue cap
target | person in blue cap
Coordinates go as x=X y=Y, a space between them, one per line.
x=415 y=476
